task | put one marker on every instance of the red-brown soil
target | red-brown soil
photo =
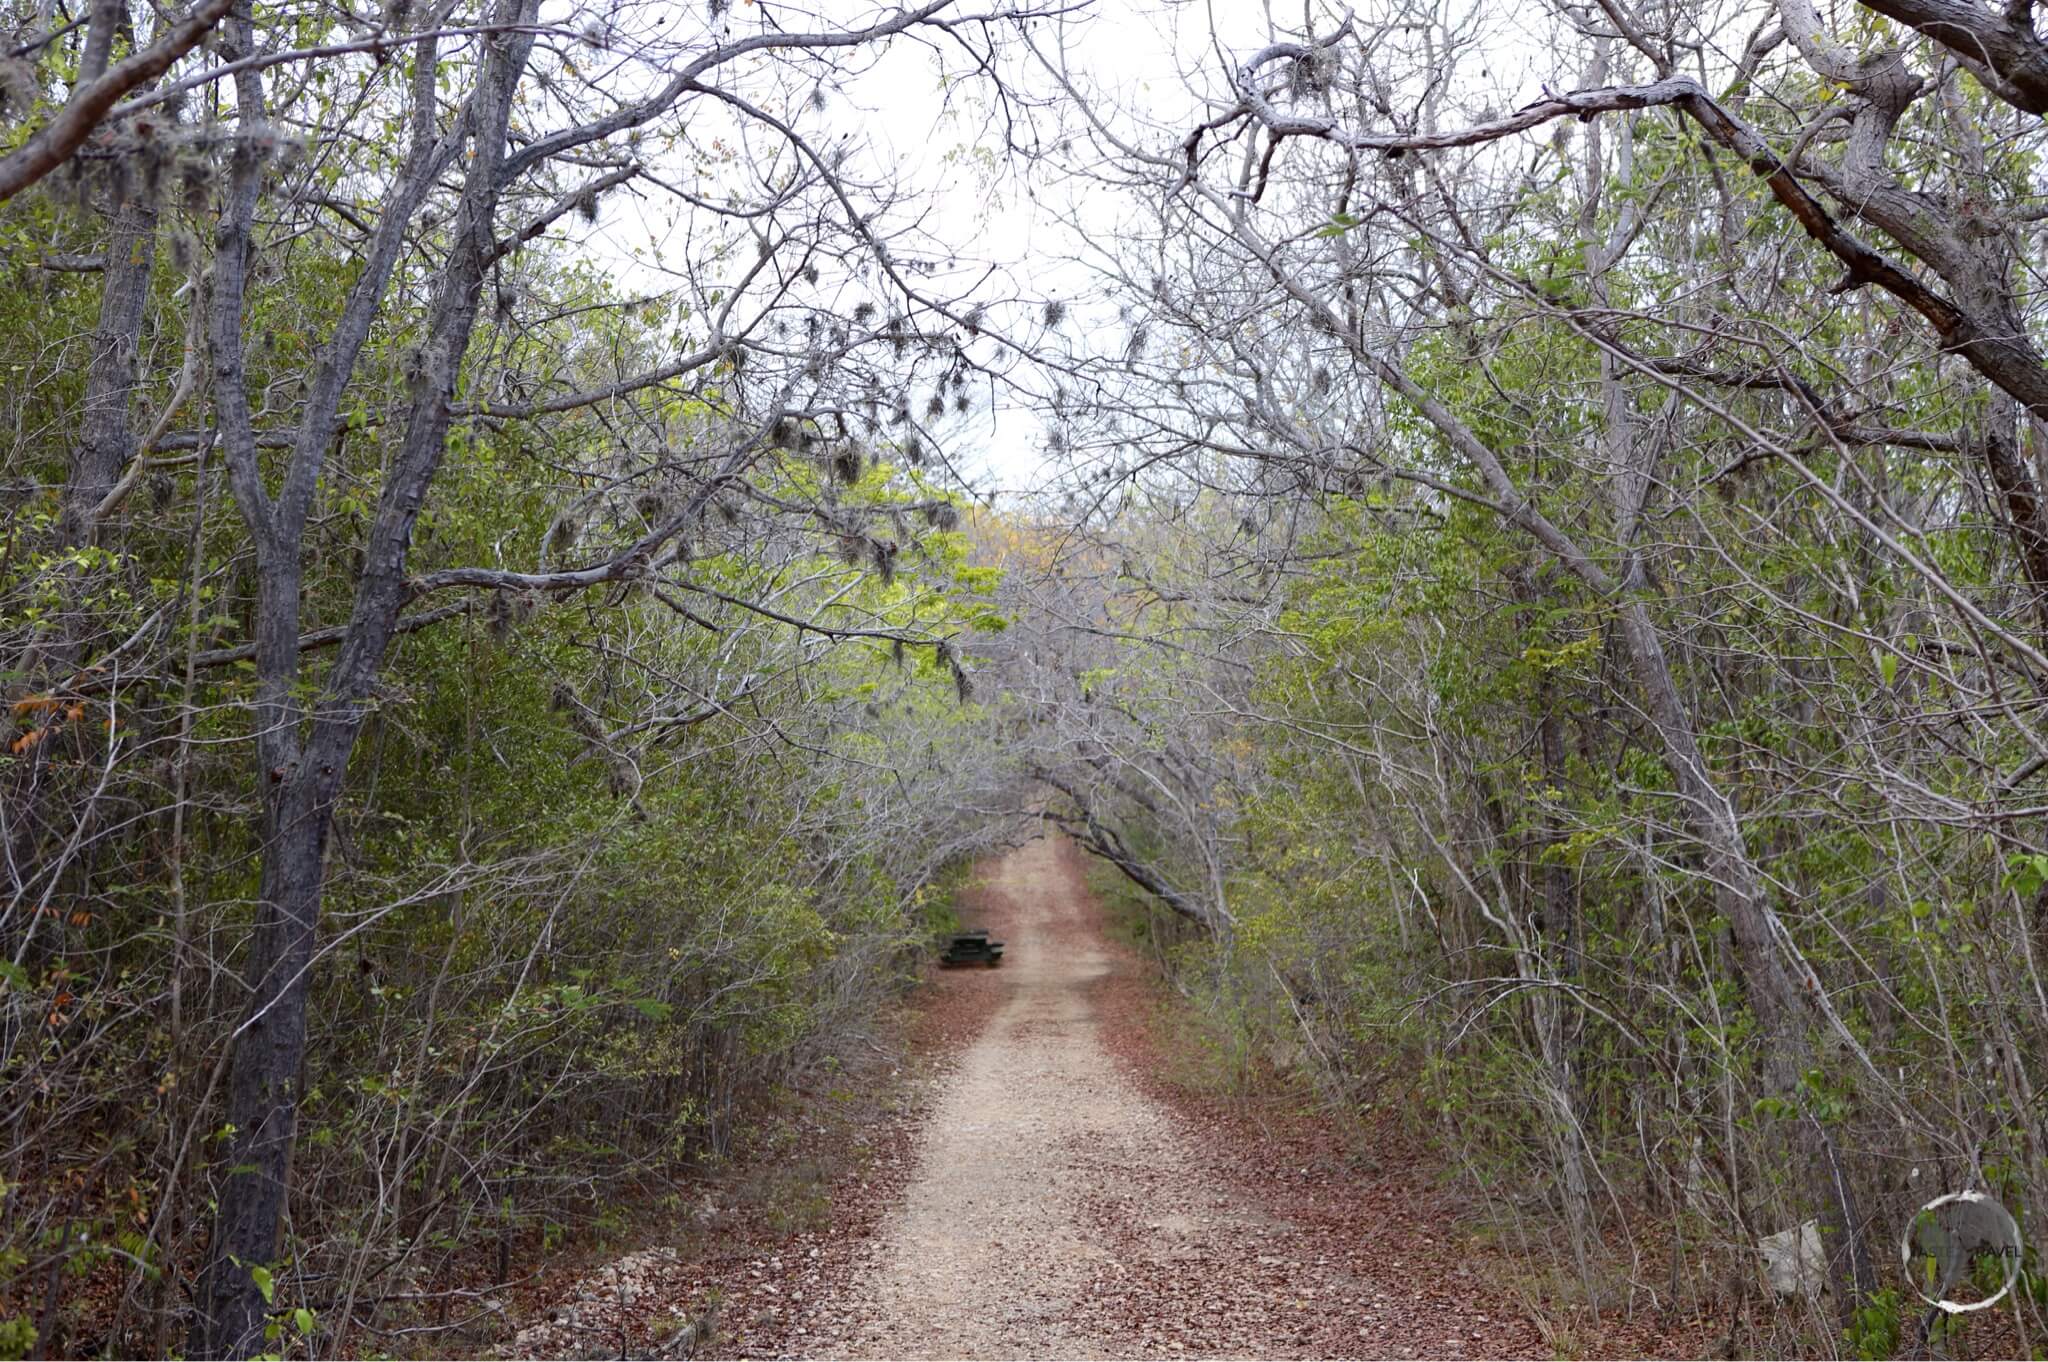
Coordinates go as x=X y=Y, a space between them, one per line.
x=1047 y=1192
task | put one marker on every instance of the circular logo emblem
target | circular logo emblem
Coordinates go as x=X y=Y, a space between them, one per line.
x=1962 y=1252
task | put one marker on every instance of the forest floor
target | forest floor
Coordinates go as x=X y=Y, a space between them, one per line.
x=1050 y=1194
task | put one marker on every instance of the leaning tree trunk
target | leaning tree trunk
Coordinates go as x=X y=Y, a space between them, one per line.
x=1790 y=1051
x=1789 y=1013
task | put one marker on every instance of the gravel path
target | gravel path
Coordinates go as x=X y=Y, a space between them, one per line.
x=1050 y=1190
x=1049 y=1195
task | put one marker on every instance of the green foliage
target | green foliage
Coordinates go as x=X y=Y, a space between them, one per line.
x=609 y=870
x=17 y=1339
x=1454 y=749
x=1874 y=1327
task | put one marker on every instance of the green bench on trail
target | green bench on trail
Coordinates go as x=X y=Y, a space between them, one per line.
x=972 y=948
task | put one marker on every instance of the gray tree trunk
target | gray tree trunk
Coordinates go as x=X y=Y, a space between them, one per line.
x=302 y=756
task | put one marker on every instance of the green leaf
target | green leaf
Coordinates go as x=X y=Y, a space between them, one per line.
x=1888 y=667
x=265 y=1283
x=302 y=1320
x=652 y=1008
x=1338 y=225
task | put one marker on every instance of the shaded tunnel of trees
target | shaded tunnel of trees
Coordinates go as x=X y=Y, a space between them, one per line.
x=1548 y=604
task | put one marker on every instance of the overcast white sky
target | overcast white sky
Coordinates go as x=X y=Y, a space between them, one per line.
x=909 y=113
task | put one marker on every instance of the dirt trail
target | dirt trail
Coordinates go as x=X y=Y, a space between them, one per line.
x=1051 y=1196
x=991 y=1248
x=1059 y=1211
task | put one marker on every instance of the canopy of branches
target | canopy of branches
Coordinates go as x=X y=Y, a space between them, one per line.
x=1534 y=570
